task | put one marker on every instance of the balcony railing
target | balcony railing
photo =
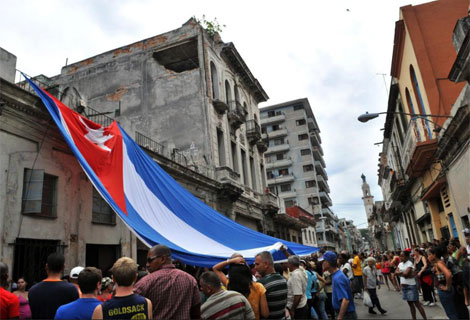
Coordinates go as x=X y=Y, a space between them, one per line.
x=253 y=131
x=274 y=119
x=277 y=133
x=420 y=132
x=278 y=148
x=149 y=144
x=236 y=114
x=278 y=163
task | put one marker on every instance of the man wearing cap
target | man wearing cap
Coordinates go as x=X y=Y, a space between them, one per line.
x=296 y=288
x=342 y=298
x=73 y=278
x=466 y=265
x=48 y=295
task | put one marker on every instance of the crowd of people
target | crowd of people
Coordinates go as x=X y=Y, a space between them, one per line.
x=321 y=286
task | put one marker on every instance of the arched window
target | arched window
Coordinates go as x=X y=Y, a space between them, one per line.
x=228 y=92
x=419 y=98
x=237 y=95
x=214 y=81
x=410 y=102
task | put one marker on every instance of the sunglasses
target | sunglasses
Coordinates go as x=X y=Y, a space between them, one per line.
x=150 y=259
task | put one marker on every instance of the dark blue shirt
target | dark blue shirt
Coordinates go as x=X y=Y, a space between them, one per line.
x=128 y=307
x=341 y=290
x=79 y=309
x=47 y=296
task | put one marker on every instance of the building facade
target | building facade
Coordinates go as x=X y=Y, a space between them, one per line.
x=187 y=98
x=295 y=168
x=195 y=98
x=419 y=202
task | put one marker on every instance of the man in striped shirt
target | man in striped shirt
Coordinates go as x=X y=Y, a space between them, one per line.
x=222 y=304
x=275 y=284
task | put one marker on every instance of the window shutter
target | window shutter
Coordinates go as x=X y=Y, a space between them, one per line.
x=32 y=191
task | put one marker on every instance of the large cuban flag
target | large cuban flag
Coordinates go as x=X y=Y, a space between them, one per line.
x=151 y=203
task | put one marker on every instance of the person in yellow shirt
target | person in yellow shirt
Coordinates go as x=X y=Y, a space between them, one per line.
x=358 y=284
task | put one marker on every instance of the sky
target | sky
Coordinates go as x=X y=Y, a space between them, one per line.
x=336 y=53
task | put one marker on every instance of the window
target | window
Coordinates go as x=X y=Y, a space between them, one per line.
x=271 y=114
x=278 y=142
x=102 y=212
x=300 y=122
x=298 y=107
x=214 y=81
x=280 y=156
x=305 y=152
x=228 y=92
x=303 y=137
x=289 y=203
x=313 y=201
x=310 y=184
x=285 y=187
x=283 y=172
x=39 y=193
x=276 y=127
x=221 y=147
x=308 y=167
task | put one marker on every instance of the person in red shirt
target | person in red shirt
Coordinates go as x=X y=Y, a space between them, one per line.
x=9 y=303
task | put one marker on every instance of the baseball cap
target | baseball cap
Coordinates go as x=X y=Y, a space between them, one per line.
x=466 y=231
x=329 y=256
x=75 y=272
x=408 y=250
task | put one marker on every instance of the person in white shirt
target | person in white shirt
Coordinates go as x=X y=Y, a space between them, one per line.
x=369 y=275
x=405 y=271
x=345 y=266
x=296 y=288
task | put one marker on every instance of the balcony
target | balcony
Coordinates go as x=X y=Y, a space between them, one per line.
x=328 y=213
x=320 y=169
x=277 y=133
x=236 y=114
x=278 y=148
x=278 y=118
x=230 y=181
x=327 y=244
x=262 y=145
x=279 y=163
x=317 y=152
x=419 y=147
x=288 y=194
x=253 y=131
x=315 y=140
x=311 y=125
x=220 y=106
x=322 y=183
x=325 y=198
x=269 y=201
x=281 y=179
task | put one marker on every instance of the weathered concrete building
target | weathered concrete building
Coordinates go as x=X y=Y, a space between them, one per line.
x=188 y=99
x=295 y=167
x=195 y=98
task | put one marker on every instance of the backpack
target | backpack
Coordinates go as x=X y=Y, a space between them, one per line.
x=314 y=281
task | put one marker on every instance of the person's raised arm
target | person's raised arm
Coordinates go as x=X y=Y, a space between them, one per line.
x=221 y=265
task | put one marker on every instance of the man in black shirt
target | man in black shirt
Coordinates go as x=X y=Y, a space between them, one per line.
x=48 y=295
x=275 y=284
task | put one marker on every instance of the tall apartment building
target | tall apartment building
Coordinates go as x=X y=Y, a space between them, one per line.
x=295 y=168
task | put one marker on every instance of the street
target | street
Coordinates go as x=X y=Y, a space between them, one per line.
x=396 y=307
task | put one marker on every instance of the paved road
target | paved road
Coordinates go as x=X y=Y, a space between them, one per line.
x=396 y=307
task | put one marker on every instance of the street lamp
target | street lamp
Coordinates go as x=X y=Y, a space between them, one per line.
x=369 y=116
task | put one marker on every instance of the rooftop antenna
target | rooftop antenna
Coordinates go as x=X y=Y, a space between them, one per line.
x=385 y=83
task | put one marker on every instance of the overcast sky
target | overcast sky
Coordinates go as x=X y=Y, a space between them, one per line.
x=332 y=52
